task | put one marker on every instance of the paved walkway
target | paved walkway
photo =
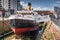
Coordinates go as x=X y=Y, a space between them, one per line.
x=4 y=19
x=50 y=32
x=57 y=24
x=56 y=21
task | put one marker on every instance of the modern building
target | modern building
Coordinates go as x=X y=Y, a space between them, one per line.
x=10 y=4
x=0 y=4
x=57 y=11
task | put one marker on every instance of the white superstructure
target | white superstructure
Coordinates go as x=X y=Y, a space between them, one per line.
x=33 y=16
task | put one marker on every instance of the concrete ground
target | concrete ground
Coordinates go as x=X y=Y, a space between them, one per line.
x=51 y=32
x=57 y=24
x=3 y=19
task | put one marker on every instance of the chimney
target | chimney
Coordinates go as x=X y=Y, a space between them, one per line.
x=29 y=7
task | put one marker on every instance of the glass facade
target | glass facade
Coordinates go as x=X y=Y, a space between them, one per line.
x=0 y=5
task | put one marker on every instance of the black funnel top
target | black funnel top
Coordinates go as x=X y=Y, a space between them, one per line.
x=29 y=4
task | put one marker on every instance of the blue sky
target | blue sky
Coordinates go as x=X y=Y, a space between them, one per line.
x=41 y=4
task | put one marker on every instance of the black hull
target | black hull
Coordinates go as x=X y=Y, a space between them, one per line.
x=18 y=23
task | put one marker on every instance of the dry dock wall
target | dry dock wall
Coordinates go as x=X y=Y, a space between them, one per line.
x=4 y=27
x=51 y=32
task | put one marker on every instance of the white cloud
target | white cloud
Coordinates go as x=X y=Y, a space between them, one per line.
x=39 y=8
x=58 y=1
x=23 y=3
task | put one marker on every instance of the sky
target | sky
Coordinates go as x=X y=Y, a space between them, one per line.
x=41 y=4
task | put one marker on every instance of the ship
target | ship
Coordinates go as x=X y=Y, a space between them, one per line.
x=25 y=20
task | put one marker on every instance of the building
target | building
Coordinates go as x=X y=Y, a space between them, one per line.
x=1 y=5
x=10 y=4
x=45 y=12
x=57 y=11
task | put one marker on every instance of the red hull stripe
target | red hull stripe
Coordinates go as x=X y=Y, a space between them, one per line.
x=22 y=30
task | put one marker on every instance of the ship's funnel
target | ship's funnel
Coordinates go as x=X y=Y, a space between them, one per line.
x=29 y=7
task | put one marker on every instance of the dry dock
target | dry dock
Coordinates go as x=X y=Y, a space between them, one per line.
x=51 y=32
